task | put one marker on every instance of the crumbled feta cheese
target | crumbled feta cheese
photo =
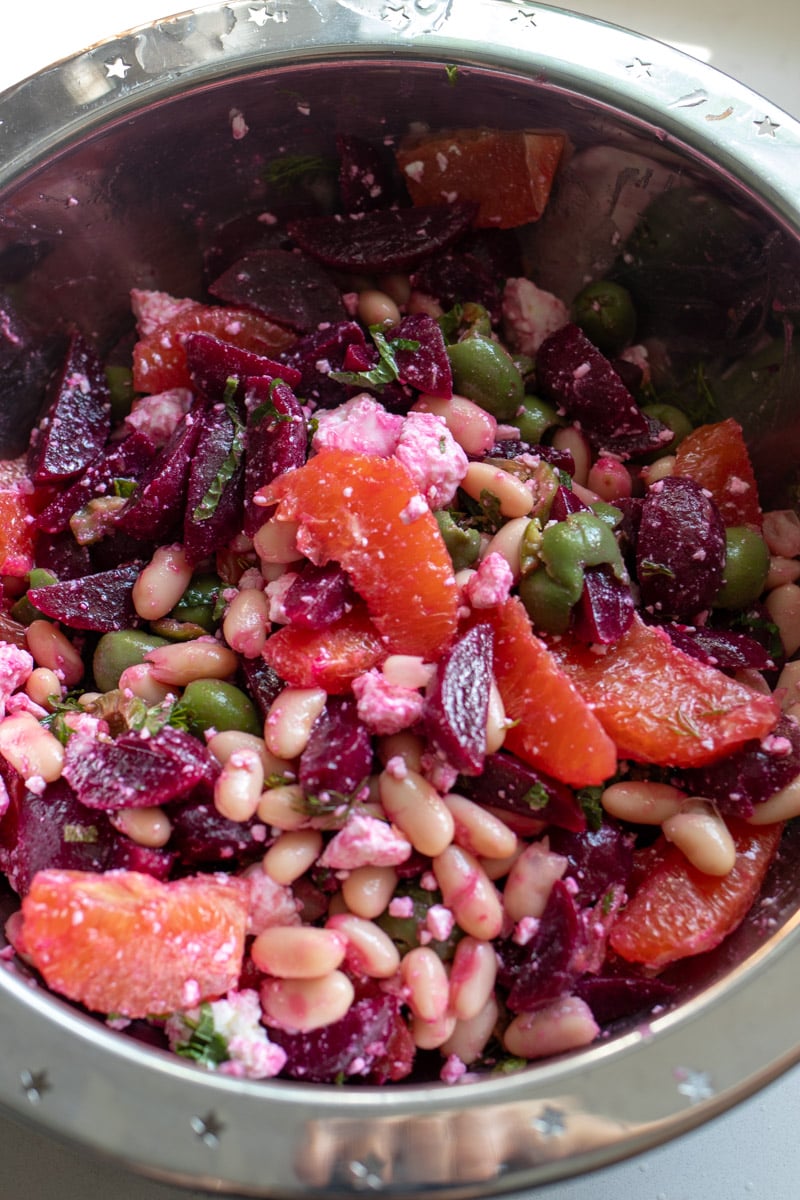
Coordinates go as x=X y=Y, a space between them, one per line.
x=365 y=842
x=453 y=1069
x=530 y=315
x=275 y=592
x=15 y=667
x=385 y=707
x=439 y=922
x=237 y=1019
x=158 y=416
x=401 y=907
x=152 y=309
x=491 y=583
x=360 y=424
x=270 y=903
x=438 y=772
x=432 y=457
x=415 y=509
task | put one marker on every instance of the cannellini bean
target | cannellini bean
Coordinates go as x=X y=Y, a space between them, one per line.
x=377 y=308
x=306 y=1004
x=370 y=951
x=701 y=833
x=149 y=827
x=282 y=807
x=246 y=622
x=298 y=951
x=609 y=479
x=662 y=468
x=531 y=879
x=781 y=570
x=564 y=1025
x=571 y=439
x=401 y=745
x=140 y=680
x=43 y=686
x=787 y=689
x=477 y=830
x=30 y=748
x=52 y=649
x=420 y=302
x=276 y=542
x=498 y=868
x=368 y=890
x=430 y=1035
x=292 y=855
x=781 y=530
x=472 y=977
x=526 y=827
x=642 y=802
x=396 y=285
x=182 y=662
x=291 y=718
x=469 y=893
x=513 y=497
x=161 y=583
x=418 y=811
x=427 y=988
x=470 y=1036
x=407 y=670
x=783 y=606
x=784 y=805
x=472 y=427
x=229 y=741
x=508 y=542
x=237 y=790
x=496 y=720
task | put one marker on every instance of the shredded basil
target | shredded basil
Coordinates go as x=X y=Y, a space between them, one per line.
x=208 y=505
x=536 y=796
x=386 y=370
x=204 y=1044
x=283 y=172
x=123 y=487
x=589 y=800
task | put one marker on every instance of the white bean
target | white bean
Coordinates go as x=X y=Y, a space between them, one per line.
x=701 y=833
x=784 y=805
x=470 y=1035
x=276 y=542
x=787 y=689
x=291 y=718
x=783 y=605
x=508 y=542
x=418 y=811
x=305 y=1004
x=161 y=583
x=513 y=497
x=564 y=1025
x=472 y=427
x=643 y=802
x=531 y=879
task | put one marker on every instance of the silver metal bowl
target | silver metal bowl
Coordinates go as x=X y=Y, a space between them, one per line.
x=113 y=165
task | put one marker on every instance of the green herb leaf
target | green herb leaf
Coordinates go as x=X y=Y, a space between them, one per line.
x=85 y=834
x=386 y=369
x=208 y=505
x=451 y=71
x=536 y=796
x=283 y=172
x=123 y=487
x=204 y=1045
x=589 y=800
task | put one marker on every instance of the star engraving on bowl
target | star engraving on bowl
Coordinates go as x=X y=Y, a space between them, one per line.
x=396 y=16
x=695 y=1085
x=766 y=127
x=366 y=1174
x=550 y=1122
x=208 y=1129
x=268 y=12
x=117 y=69
x=639 y=69
x=35 y=1084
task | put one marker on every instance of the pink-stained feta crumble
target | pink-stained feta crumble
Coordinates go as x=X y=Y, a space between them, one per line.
x=275 y=592
x=491 y=583
x=15 y=667
x=737 y=486
x=158 y=416
x=415 y=509
x=401 y=907
x=365 y=842
x=152 y=309
x=5 y=799
x=525 y=929
x=361 y=424
x=396 y=767
x=432 y=457
x=21 y=702
x=439 y=922
x=385 y=707
x=453 y=1070
x=530 y=315
x=270 y=903
x=438 y=772
x=237 y=1019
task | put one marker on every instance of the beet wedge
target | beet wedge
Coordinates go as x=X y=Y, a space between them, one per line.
x=75 y=426
x=287 y=288
x=275 y=441
x=101 y=602
x=156 y=508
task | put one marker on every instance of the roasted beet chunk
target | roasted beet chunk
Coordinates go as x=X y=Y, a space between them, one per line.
x=510 y=784
x=263 y=683
x=680 y=550
x=74 y=429
x=575 y=376
x=215 y=491
x=136 y=771
x=129 y=460
x=319 y=596
x=541 y=971
x=200 y=835
x=387 y=240
x=156 y=508
x=427 y=366
x=723 y=648
x=286 y=288
x=318 y=354
x=100 y=602
x=739 y=783
x=458 y=699
x=275 y=442
x=613 y=996
x=599 y=859
x=213 y=362
x=338 y=757
x=605 y=609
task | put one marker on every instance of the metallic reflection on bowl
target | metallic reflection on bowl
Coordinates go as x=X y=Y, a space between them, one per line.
x=117 y=165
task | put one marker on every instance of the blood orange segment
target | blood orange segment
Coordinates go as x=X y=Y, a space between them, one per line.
x=16 y=532
x=126 y=943
x=661 y=706
x=678 y=911
x=508 y=172
x=354 y=509
x=159 y=360
x=555 y=728
x=329 y=658
x=716 y=457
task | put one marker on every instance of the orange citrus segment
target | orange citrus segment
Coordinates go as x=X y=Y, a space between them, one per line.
x=716 y=457
x=329 y=658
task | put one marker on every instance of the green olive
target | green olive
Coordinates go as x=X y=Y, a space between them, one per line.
x=746 y=568
x=675 y=419
x=198 y=603
x=485 y=373
x=463 y=545
x=214 y=704
x=23 y=610
x=120 y=387
x=117 y=651
x=548 y=602
x=535 y=419
x=604 y=310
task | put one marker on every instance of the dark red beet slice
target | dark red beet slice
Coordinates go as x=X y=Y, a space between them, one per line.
x=723 y=648
x=427 y=368
x=128 y=856
x=598 y=858
x=613 y=996
x=748 y=777
x=213 y=362
x=215 y=491
x=60 y=554
x=74 y=429
x=565 y=502
x=541 y=971
x=234 y=238
x=576 y=377
x=370 y=1041
x=135 y=771
x=605 y=609
x=26 y=363
x=276 y=442
x=320 y=353
x=263 y=683
x=157 y=507
x=457 y=701
x=319 y=596
x=510 y=784
x=456 y=277
x=287 y=288
x=366 y=181
x=386 y=240
x=338 y=757
x=201 y=835
x=680 y=548
x=100 y=602
x=127 y=460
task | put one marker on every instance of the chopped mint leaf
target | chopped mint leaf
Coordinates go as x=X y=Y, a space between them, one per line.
x=208 y=505
x=536 y=796
x=283 y=172
x=386 y=369
x=204 y=1045
x=123 y=487
x=589 y=800
x=451 y=71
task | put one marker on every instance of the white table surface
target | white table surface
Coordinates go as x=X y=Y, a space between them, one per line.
x=751 y=1153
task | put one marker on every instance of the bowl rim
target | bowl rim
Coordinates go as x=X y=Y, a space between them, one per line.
x=215 y=1120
